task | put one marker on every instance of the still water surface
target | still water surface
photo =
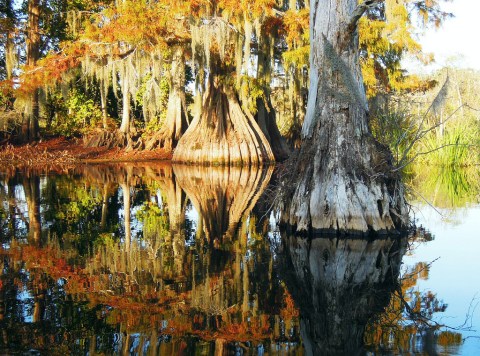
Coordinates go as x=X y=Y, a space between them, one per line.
x=155 y=259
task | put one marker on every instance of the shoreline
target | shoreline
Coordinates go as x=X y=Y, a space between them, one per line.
x=62 y=153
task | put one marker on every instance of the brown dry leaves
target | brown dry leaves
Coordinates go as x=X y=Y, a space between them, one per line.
x=34 y=157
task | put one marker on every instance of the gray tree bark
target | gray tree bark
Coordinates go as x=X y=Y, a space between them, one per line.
x=343 y=177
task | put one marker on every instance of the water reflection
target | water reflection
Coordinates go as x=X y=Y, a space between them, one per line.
x=339 y=285
x=149 y=259
x=446 y=187
x=134 y=259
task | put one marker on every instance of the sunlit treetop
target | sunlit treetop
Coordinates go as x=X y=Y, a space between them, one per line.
x=141 y=24
x=297 y=37
x=226 y=28
x=387 y=33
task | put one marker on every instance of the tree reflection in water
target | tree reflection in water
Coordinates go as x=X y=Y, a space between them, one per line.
x=120 y=268
x=112 y=259
x=339 y=285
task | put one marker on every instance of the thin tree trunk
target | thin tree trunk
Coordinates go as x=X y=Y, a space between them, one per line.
x=103 y=104
x=10 y=53
x=266 y=117
x=176 y=123
x=31 y=187
x=30 y=126
x=343 y=178
x=125 y=125
x=12 y=206
x=103 y=221
x=126 y=214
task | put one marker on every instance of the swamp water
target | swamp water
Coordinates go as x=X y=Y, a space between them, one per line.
x=155 y=259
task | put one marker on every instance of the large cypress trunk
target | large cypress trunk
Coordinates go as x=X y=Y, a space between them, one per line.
x=343 y=177
x=223 y=133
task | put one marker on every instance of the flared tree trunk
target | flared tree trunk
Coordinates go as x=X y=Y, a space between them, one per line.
x=222 y=133
x=176 y=121
x=343 y=178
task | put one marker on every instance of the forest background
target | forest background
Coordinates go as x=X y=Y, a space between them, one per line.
x=142 y=75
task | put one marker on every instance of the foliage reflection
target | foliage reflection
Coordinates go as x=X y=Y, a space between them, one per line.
x=149 y=259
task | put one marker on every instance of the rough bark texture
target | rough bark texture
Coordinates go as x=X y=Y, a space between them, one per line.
x=339 y=285
x=343 y=176
x=176 y=123
x=222 y=133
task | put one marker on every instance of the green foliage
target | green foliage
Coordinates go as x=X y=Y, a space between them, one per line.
x=395 y=129
x=250 y=90
x=155 y=221
x=80 y=205
x=6 y=95
x=297 y=57
x=386 y=35
x=457 y=146
x=106 y=239
x=439 y=127
x=81 y=114
x=445 y=187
